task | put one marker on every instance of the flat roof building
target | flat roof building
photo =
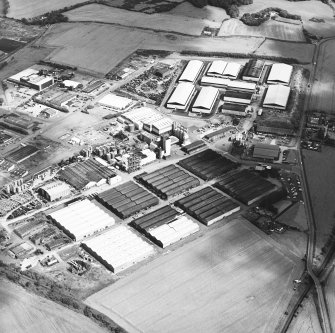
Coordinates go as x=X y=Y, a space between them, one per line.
x=115 y=102
x=236 y=97
x=214 y=81
x=217 y=68
x=237 y=85
x=276 y=97
x=191 y=71
x=181 y=96
x=206 y=100
x=253 y=70
x=280 y=74
x=71 y=84
x=82 y=219
x=266 y=151
x=234 y=109
x=55 y=190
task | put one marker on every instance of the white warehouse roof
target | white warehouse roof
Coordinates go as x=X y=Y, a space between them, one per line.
x=82 y=219
x=27 y=72
x=232 y=69
x=217 y=68
x=120 y=248
x=191 y=71
x=56 y=189
x=214 y=81
x=241 y=85
x=205 y=99
x=181 y=94
x=115 y=102
x=277 y=96
x=280 y=73
x=70 y=83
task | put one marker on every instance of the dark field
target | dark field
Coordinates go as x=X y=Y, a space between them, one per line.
x=9 y=45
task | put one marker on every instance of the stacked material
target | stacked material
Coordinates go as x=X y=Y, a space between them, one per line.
x=208 y=205
x=82 y=219
x=127 y=199
x=164 y=226
x=118 y=249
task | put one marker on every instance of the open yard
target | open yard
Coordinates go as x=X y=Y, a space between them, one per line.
x=321 y=179
x=271 y=29
x=323 y=91
x=232 y=279
x=160 y=22
x=22 y=312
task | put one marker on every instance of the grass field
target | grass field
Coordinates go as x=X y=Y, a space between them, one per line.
x=22 y=312
x=295 y=217
x=321 y=179
x=161 y=22
x=232 y=279
x=271 y=29
x=323 y=91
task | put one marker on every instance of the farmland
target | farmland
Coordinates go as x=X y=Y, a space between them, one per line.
x=320 y=178
x=235 y=263
x=22 y=312
x=323 y=91
x=271 y=29
x=22 y=153
x=160 y=22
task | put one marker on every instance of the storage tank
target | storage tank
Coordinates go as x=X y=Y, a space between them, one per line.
x=131 y=128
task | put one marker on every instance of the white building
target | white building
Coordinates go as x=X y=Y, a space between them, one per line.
x=241 y=85
x=217 y=68
x=232 y=70
x=206 y=100
x=55 y=190
x=280 y=74
x=181 y=96
x=82 y=219
x=150 y=156
x=71 y=84
x=162 y=126
x=214 y=81
x=115 y=102
x=276 y=97
x=191 y=71
x=119 y=248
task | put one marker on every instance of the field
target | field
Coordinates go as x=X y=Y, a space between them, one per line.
x=271 y=29
x=229 y=279
x=323 y=91
x=22 y=153
x=295 y=217
x=22 y=312
x=160 y=22
x=19 y=8
x=320 y=177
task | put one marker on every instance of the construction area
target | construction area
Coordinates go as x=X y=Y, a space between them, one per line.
x=208 y=205
x=165 y=226
x=168 y=181
x=127 y=199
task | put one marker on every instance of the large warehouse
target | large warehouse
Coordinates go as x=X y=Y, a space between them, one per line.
x=232 y=70
x=82 y=219
x=280 y=74
x=55 y=190
x=276 y=97
x=253 y=70
x=214 y=81
x=208 y=205
x=217 y=68
x=118 y=248
x=241 y=86
x=181 y=96
x=191 y=71
x=266 y=152
x=206 y=99
x=237 y=97
x=165 y=226
x=115 y=102
x=30 y=77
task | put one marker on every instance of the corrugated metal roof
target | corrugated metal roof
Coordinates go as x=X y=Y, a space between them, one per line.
x=277 y=96
x=211 y=80
x=182 y=93
x=280 y=73
x=217 y=67
x=191 y=71
x=232 y=69
x=206 y=98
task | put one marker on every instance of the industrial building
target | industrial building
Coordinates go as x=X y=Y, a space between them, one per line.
x=149 y=120
x=30 y=78
x=237 y=97
x=115 y=102
x=118 y=248
x=206 y=100
x=165 y=226
x=84 y=175
x=207 y=164
x=194 y=147
x=208 y=205
x=264 y=129
x=241 y=86
x=253 y=70
x=217 y=135
x=232 y=70
x=217 y=68
x=127 y=199
x=276 y=97
x=168 y=181
x=71 y=84
x=55 y=190
x=245 y=186
x=181 y=96
x=266 y=152
x=213 y=81
x=233 y=109
x=81 y=219
x=191 y=71
x=280 y=74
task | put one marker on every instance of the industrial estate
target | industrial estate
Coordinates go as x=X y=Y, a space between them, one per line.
x=171 y=176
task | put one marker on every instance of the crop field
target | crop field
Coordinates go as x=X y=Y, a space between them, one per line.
x=22 y=153
x=321 y=178
x=271 y=29
x=19 y=8
x=160 y=22
x=225 y=281
x=323 y=91
x=22 y=312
